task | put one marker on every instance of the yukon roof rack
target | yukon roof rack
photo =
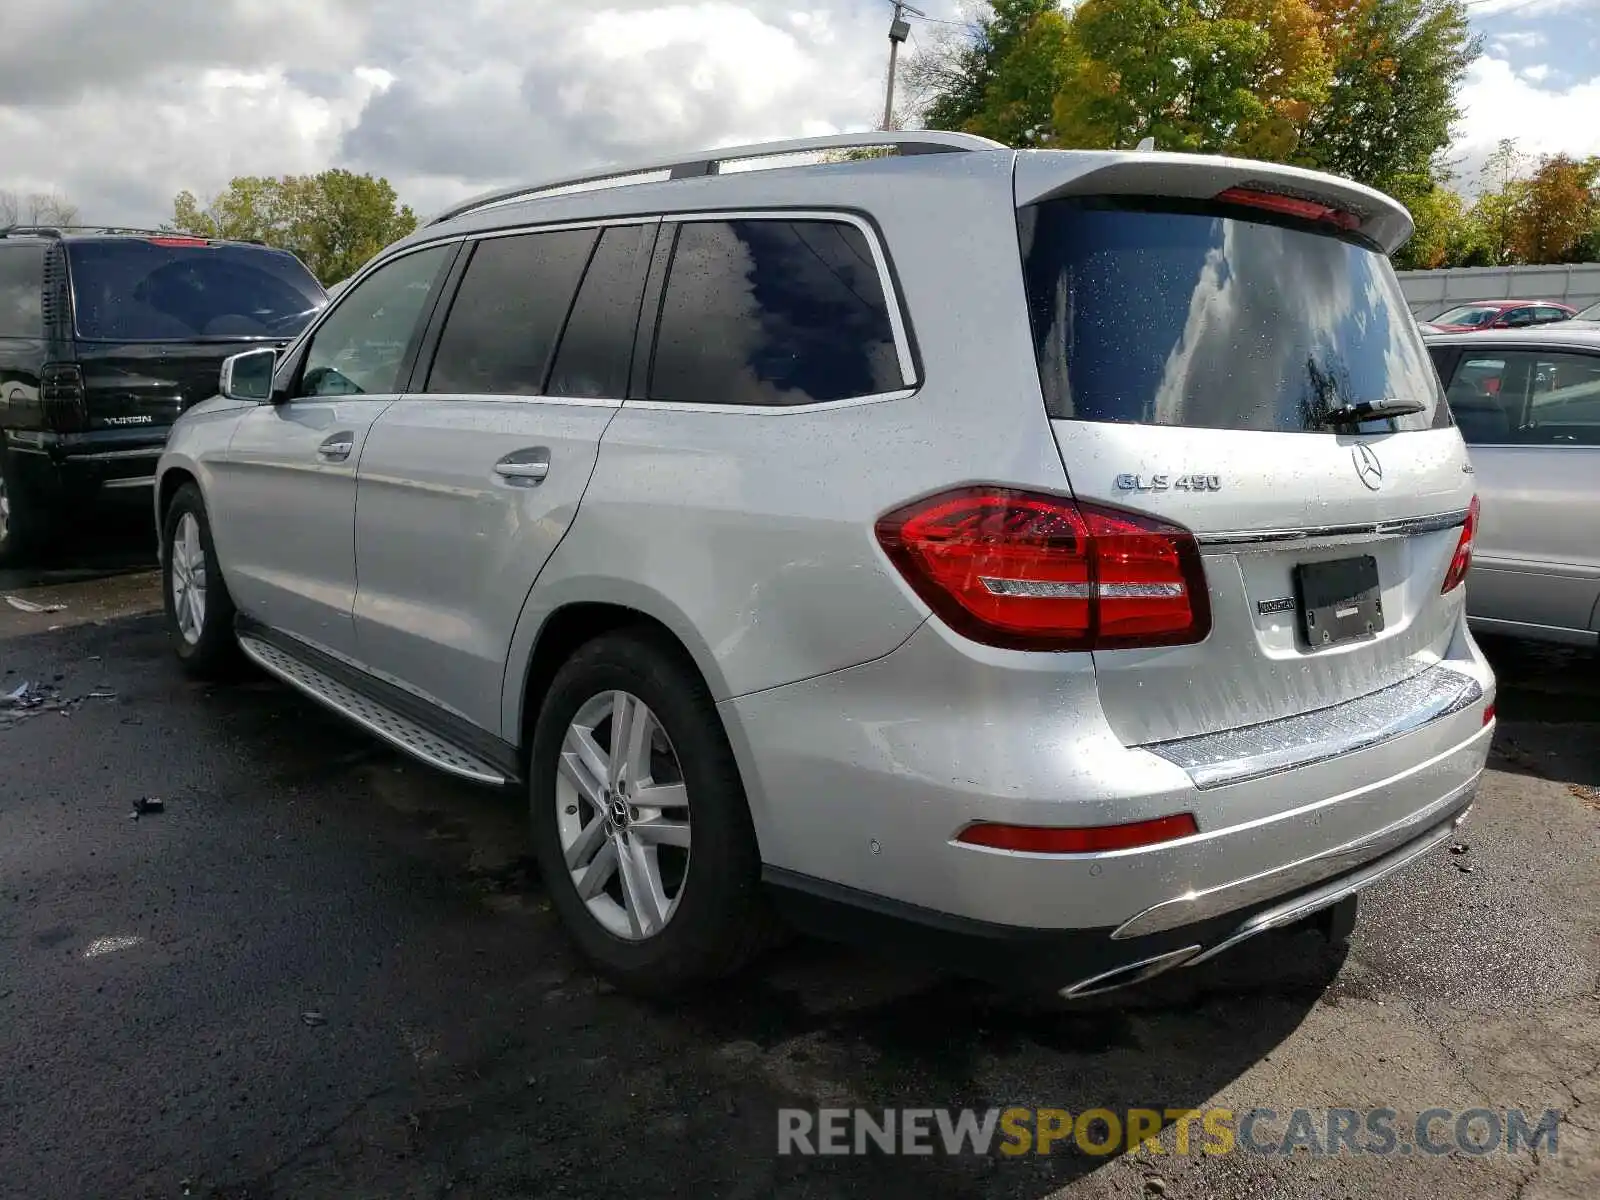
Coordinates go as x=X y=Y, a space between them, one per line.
x=62 y=230
x=917 y=141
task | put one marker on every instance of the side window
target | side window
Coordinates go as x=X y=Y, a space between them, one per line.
x=21 y=291
x=1563 y=401
x=362 y=346
x=1545 y=314
x=772 y=312
x=508 y=312
x=597 y=347
x=1520 y=316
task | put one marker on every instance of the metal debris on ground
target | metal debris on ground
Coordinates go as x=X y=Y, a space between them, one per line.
x=313 y=1018
x=1460 y=848
x=145 y=805
x=1464 y=868
x=28 y=606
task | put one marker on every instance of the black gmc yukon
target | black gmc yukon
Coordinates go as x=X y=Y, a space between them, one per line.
x=105 y=337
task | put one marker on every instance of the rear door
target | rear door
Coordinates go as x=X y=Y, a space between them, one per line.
x=284 y=495
x=1531 y=419
x=1191 y=353
x=470 y=480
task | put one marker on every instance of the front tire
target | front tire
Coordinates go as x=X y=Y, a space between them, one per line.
x=200 y=611
x=640 y=824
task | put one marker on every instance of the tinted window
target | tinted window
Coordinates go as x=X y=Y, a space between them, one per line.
x=1548 y=313
x=597 y=347
x=508 y=313
x=1519 y=316
x=1528 y=398
x=362 y=346
x=137 y=290
x=21 y=291
x=773 y=313
x=1198 y=318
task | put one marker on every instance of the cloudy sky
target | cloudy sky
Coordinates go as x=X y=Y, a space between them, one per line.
x=118 y=104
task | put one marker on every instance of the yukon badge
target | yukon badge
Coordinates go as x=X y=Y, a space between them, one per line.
x=1368 y=468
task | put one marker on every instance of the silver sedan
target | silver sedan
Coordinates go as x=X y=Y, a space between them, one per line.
x=1528 y=404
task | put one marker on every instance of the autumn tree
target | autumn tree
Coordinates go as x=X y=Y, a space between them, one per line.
x=1556 y=211
x=1228 y=76
x=334 y=222
x=1502 y=184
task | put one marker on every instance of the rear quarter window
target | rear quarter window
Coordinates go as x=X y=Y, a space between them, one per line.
x=1213 y=318
x=773 y=313
x=21 y=291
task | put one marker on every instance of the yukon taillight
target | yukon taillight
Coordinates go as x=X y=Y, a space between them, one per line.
x=61 y=397
x=1461 y=563
x=1037 y=572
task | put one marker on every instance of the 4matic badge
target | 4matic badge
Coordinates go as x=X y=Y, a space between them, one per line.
x=1162 y=483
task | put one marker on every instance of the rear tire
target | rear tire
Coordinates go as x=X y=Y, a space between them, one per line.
x=661 y=842
x=21 y=524
x=200 y=611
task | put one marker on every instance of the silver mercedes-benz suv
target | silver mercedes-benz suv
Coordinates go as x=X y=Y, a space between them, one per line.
x=1050 y=558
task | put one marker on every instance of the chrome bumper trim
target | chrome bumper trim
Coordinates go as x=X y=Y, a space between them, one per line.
x=1334 y=891
x=1241 y=893
x=1234 y=755
x=136 y=481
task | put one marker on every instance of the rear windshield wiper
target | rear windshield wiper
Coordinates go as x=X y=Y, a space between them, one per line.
x=1371 y=410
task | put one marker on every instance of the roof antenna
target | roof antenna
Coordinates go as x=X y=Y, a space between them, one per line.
x=1148 y=143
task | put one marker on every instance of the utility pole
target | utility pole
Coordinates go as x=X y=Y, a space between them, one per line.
x=899 y=30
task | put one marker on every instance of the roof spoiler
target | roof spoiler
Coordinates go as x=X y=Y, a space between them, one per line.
x=1046 y=174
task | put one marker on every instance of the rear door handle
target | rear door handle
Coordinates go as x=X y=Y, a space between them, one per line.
x=525 y=468
x=337 y=448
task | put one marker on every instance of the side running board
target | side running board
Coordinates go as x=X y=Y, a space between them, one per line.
x=302 y=669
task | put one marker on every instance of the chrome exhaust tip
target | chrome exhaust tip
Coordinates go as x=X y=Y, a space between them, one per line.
x=1128 y=974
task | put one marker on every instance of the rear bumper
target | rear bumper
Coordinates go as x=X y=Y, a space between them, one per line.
x=1083 y=962
x=75 y=466
x=861 y=780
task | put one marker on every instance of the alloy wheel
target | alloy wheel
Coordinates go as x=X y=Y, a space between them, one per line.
x=622 y=815
x=189 y=579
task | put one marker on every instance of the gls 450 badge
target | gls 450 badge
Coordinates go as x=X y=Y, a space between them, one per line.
x=1162 y=483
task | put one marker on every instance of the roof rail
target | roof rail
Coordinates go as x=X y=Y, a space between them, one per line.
x=60 y=230
x=917 y=141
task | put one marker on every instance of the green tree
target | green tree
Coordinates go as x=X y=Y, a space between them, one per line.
x=334 y=221
x=1442 y=232
x=1502 y=186
x=1225 y=76
x=1391 y=102
x=963 y=77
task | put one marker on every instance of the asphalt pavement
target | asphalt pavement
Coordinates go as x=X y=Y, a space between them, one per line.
x=322 y=970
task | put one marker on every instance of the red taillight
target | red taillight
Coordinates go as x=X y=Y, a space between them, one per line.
x=1462 y=562
x=1290 y=206
x=177 y=241
x=1033 y=572
x=61 y=397
x=1488 y=713
x=1087 y=839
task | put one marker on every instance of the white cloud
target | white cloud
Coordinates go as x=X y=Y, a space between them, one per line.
x=1498 y=103
x=1536 y=74
x=1526 y=39
x=1483 y=9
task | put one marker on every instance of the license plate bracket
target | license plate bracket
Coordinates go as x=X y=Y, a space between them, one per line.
x=1340 y=601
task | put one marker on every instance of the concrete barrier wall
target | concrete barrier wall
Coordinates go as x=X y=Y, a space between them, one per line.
x=1431 y=292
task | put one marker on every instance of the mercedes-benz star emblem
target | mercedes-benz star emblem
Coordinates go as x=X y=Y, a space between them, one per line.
x=1367 y=465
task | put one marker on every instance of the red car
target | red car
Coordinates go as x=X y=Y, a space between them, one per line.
x=1499 y=314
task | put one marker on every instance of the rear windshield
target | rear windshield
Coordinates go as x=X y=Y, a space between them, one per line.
x=132 y=290
x=1195 y=316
